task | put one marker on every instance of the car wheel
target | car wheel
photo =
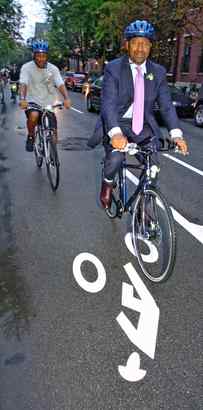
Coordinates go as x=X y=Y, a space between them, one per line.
x=73 y=87
x=90 y=107
x=199 y=116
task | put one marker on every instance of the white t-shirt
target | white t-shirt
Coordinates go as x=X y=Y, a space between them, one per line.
x=42 y=83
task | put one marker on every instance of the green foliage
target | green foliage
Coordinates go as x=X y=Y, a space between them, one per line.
x=96 y=26
x=10 y=23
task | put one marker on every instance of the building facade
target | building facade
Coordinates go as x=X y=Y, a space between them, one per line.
x=189 y=45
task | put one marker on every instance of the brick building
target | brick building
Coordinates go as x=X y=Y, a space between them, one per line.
x=190 y=52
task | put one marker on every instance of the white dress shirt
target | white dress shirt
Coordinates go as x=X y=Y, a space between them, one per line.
x=174 y=133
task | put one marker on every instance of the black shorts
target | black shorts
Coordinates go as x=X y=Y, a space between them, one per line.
x=51 y=115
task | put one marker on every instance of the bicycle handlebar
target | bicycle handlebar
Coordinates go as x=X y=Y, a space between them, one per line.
x=50 y=107
x=132 y=148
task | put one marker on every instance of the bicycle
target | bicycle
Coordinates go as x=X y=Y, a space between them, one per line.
x=2 y=94
x=14 y=90
x=44 y=145
x=153 y=230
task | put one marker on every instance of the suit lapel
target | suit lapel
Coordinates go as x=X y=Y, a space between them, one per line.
x=126 y=74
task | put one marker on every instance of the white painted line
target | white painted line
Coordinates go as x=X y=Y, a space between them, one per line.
x=75 y=109
x=184 y=164
x=132 y=177
x=194 y=229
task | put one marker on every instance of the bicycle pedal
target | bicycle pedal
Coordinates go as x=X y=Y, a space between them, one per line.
x=120 y=209
x=119 y=213
x=130 y=210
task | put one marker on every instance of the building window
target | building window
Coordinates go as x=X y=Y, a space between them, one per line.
x=186 y=55
x=200 y=65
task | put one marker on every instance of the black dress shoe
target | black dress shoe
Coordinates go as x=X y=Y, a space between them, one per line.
x=29 y=144
x=106 y=194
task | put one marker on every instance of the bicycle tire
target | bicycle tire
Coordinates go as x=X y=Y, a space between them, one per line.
x=52 y=164
x=153 y=226
x=38 y=150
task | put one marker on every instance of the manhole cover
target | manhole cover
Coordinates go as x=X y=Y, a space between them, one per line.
x=74 y=144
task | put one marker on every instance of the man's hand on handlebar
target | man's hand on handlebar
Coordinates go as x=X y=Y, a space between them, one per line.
x=182 y=145
x=119 y=141
x=23 y=104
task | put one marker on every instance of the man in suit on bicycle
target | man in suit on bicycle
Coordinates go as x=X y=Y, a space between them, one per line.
x=39 y=82
x=131 y=85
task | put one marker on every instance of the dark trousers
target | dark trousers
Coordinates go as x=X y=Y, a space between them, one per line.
x=113 y=159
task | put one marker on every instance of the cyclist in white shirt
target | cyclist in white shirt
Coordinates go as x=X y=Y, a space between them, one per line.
x=40 y=84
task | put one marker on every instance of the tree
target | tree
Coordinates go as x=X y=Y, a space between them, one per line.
x=10 y=23
x=72 y=26
x=96 y=26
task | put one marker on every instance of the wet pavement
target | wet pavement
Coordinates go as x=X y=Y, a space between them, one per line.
x=61 y=346
x=15 y=309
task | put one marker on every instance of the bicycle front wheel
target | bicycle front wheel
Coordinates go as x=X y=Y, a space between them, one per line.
x=52 y=165
x=153 y=235
x=38 y=149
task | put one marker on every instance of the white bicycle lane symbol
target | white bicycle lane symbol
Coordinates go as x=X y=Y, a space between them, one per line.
x=145 y=335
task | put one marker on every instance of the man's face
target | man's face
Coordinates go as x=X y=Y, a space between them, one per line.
x=40 y=59
x=139 y=49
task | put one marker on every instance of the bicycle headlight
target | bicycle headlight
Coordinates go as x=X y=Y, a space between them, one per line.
x=154 y=170
x=49 y=108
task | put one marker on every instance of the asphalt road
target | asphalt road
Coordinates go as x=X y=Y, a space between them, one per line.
x=67 y=333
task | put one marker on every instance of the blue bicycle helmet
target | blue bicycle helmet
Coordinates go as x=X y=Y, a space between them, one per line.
x=40 y=46
x=139 y=28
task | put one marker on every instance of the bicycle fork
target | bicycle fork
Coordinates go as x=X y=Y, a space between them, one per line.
x=46 y=147
x=122 y=191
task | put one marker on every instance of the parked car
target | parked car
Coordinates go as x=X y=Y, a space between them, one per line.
x=74 y=81
x=67 y=77
x=94 y=95
x=183 y=104
x=89 y=80
x=198 y=112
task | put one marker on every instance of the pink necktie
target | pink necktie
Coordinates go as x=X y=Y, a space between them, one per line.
x=138 y=105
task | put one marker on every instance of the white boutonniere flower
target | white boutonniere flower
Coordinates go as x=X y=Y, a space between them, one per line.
x=150 y=76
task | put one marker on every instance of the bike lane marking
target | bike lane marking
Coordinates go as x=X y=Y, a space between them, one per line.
x=75 y=109
x=194 y=229
x=184 y=164
x=144 y=335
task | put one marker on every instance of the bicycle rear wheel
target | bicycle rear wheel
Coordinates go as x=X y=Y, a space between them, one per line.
x=153 y=234
x=38 y=149
x=52 y=163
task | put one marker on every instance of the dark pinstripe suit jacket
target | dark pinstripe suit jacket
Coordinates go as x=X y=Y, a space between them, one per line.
x=117 y=96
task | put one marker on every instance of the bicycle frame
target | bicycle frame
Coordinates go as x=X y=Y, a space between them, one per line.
x=44 y=132
x=144 y=181
x=43 y=125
